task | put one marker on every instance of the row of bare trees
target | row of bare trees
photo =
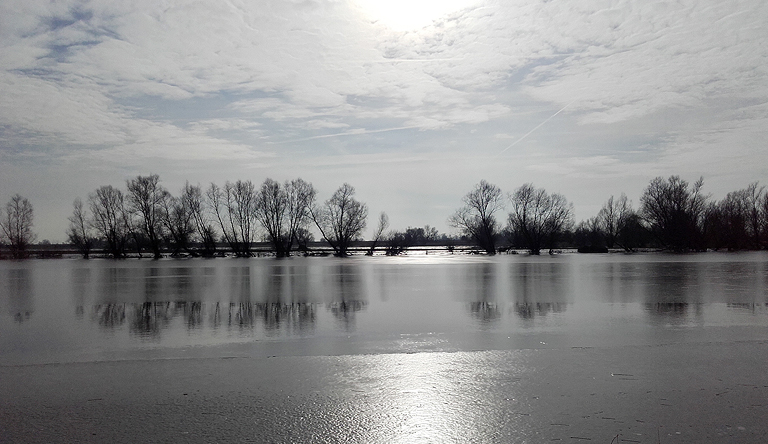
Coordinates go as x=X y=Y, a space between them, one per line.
x=148 y=216
x=677 y=215
x=537 y=218
x=673 y=214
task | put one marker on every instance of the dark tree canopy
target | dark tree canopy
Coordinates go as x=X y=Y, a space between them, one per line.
x=476 y=218
x=674 y=211
x=399 y=242
x=618 y=222
x=540 y=218
x=737 y=222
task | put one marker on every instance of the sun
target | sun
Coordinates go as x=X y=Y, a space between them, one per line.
x=406 y=15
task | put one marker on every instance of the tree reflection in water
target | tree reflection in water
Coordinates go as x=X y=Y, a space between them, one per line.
x=532 y=310
x=416 y=302
x=344 y=289
x=540 y=283
x=276 y=298
x=484 y=311
x=110 y=315
x=149 y=319
x=19 y=294
x=276 y=318
x=481 y=280
x=81 y=285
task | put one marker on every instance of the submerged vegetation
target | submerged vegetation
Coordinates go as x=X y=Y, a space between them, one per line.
x=673 y=215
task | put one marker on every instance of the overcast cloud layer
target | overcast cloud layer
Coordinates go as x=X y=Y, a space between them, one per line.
x=584 y=98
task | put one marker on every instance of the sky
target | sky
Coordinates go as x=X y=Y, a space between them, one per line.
x=412 y=102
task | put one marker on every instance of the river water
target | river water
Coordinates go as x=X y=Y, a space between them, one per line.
x=644 y=348
x=71 y=310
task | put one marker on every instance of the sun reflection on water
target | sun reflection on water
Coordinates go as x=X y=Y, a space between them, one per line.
x=436 y=397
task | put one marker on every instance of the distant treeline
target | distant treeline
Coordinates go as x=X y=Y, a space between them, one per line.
x=145 y=218
x=673 y=215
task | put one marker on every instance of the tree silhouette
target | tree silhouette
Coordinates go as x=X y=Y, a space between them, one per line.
x=195 y=202
x=16 y=225
x=675 y=212
x=378 y=235
x=178 y=220
x=540 y=218
x=283 y=211
x=108 y=218
x=340 y=219
x=79 y=232
x=234 y=207
x=476 y=218
x=146 y=202
x=618 y=222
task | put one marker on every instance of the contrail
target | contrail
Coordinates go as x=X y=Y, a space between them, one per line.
x=537 y=127
x=387 y=60
x=350 y=133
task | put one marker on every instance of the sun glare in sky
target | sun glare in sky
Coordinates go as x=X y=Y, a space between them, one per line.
x=405 y=15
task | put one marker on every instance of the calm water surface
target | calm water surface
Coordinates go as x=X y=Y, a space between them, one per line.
x=73 y=310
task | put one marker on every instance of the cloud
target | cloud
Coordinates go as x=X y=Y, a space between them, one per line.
x=652 y=87
x=651 y=59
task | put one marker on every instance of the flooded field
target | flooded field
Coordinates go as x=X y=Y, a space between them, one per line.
x=427 y=348
x=75 y=310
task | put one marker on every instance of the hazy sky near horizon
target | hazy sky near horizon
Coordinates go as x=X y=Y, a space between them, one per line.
x=412 y=102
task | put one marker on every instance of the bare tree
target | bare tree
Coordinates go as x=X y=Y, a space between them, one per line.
x=540 y=218
x=194 y=201
x=177 y=218
x=270 y=211
x=398 y=242
x=753 y=197
x=146 y=200
x=300 y=196
x=430 y=234
x=107 y=218
x=79 y=232
x=234 y=207
x=764 y=221
x=735 y=221
x=613 y=220
x=675 y=212
x=132 y=222
x=340 y=219
x=303 y=238
x=732 y=218
x=16 y=225
x=378 y=235
x=476 y=218
x=589 y=235
x=283 y=211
